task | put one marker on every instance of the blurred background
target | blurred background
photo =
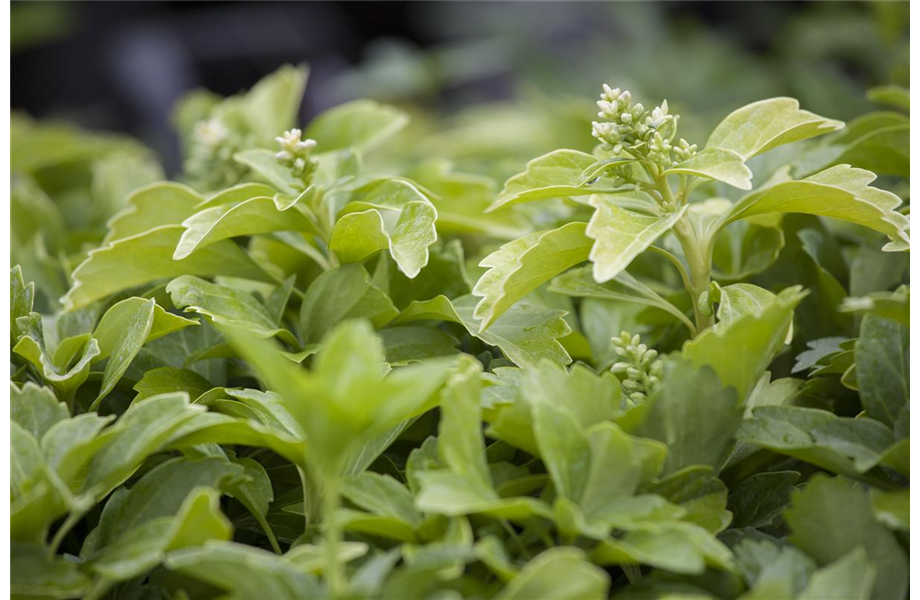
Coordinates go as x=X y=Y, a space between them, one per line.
x=123 y=66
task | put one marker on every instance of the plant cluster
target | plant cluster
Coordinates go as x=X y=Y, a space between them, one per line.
x=309 y=369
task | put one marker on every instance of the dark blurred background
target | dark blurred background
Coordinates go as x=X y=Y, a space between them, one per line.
x=123 y=65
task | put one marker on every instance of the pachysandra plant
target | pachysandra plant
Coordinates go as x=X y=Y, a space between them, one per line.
x=284 y=376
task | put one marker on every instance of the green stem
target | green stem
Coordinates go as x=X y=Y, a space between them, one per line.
x=699 y=261
x=335 y=575
x=59 y=535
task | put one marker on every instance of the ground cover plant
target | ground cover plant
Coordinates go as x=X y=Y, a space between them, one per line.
x=319 y=365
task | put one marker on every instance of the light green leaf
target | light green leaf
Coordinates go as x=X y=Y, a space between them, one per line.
x=164 y=380
x=392 y=214
x=253 y=216
x=679 y=547
x=146 y=257
x=409 y=343
x=831 y=517
x=720 y=164
x=740 y=351
x=554 y=175
x=154 y=205
x=21 y=299
x=527 y=333
x=116 y=320
x=137 y=327
x=382 y=495
x=882 y=359
x=764 y=125
x=521 y=266
x=559 y=573
x=894 y=306
x=460 y=444
x=272 y=104
x=892 y=95
x=362 y=124
x=264 y=164
x=224 y=305
x=70 y=366
x=620 y=235
x=346 y=292
x=841 y=192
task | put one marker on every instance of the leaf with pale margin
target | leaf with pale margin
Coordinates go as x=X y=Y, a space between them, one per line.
x=764 y=125
x=841 y=192
x=519 y=267
x=251 y=217
x=390 y=215
x=620 y=235
x=146 y=257
x=154 y=205
x=720 y=164
x=554 y=175
x=137 y=325
x=115 y=321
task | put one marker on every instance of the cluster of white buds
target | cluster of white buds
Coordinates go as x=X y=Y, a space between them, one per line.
x=295 y=154
x=640 y=365
x=631 y=128
x=210 y=163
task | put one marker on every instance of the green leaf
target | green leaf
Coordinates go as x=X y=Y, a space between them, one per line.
x=166 y=380
x=764 y=125
x=146 y=257
x=272 y=104
x=245 y=571
x=558 y=573
x=346 y=292
x=155 y=205
x=620 y=235
x=460 y=444
x=762 y=497
x=720 y=164
x=227 y=306
x=396 y=216
x=116 y=320
x=679 y=547
x=35 y=408
x=526 y=333
x=68 y=369
x=693 y=414
x=554 y=175
x=137 y=327
x=250 y=217
x=739 y=351
x=892 y=95
x=521 y=266
x=580 y=283
x=21 y=298
x=882 y=359
x=264 y=164
x=362 y=124
x=699 y=493
x=838 y=444
x=831 y=517
x=384 y=496
x=841 y=192
x=894 y=306
x=850 y=577
x=35 y=575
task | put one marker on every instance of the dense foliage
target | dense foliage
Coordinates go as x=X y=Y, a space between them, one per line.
x=327 y=363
